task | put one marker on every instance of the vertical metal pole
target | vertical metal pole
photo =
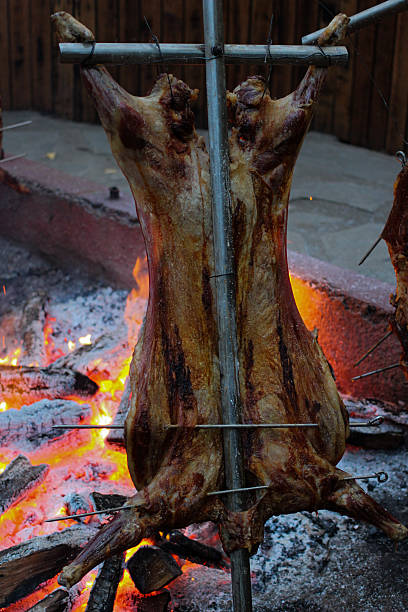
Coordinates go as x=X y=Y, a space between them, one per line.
x=225 y=284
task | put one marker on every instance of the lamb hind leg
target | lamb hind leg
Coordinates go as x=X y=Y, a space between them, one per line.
x=349 y=499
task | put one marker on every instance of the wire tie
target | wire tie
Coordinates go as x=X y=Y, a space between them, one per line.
x=86 y=61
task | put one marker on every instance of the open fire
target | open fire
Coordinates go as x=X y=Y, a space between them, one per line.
x=79 y=462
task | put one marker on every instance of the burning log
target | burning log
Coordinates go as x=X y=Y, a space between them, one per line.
x=116 y=436
x=32 y=331
x=25 y=566
x=103 y=593
x=283 y=375
x=154 y=603
x=31 y=426
x=384 y=437
x=57 y=601
x=151 y=568
x=105 y=355
x=28 y=383
x=18 y=478
x=395 y=234
x=192 y=550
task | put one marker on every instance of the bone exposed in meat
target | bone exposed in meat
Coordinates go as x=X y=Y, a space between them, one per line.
x=395 y=233
x=284 y=376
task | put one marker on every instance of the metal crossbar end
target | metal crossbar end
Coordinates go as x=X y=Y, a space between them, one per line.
x=364 y=18
x=376 y=422
x=380 y=476
x=241 y=490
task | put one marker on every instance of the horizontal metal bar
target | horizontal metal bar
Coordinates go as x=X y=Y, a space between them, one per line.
x=238 y=490
x=373 y=423
x=87 y=427
x=15 y=125
x=360 y=20
x=244 y=426
x=148 y=53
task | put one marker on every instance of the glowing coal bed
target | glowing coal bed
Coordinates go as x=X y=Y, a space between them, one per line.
x=307 y=562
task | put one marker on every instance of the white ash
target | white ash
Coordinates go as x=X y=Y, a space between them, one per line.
x=31 y=426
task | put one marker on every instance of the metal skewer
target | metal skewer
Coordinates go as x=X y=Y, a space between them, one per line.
x=380 y=476
x=370 y=350
x=77 y=516
x=373 y=423
x=15 y=125
x=367 y=17
x=12 y=158
x=370 y=250
x=389 y=367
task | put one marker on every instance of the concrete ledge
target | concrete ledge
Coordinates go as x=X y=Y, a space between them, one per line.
x=72 y=221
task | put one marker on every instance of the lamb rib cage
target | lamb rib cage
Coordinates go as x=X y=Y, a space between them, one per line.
x=284 y=376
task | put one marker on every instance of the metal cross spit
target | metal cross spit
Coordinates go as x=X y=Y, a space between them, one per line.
x=215 y=55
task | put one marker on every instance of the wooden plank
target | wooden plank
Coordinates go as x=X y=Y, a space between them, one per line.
x=41 y=56
x=5 y=86
x=62 y=74
x=84 y=109
x=399 y=89
x=382 y=78
x=194 y=76
x=344 y=86
x=20 y=36
x=362 y=84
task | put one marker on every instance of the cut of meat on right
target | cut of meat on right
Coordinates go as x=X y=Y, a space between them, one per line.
x=395 y=234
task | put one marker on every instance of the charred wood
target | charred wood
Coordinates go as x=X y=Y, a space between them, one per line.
x=154 y=603
x=105 y=355
x=31 y=426
x=116 y=436
x=196 y=552
x=151 y=568
x=384 y=437
x=23 y=384
x=57 y=601
x=74 y=503
x=103 y=593
x=18 y=478
x=25 y=566
x=102 y=501
x=32 y=331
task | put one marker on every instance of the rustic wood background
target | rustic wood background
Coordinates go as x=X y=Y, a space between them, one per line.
x=365 y=104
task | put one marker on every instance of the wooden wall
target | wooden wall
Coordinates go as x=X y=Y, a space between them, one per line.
x=353 y=106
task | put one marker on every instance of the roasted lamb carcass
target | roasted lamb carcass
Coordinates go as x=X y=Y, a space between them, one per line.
x=395 y=233
x=284 y=376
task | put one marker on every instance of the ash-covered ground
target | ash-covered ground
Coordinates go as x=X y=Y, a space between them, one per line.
x=321 y=562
